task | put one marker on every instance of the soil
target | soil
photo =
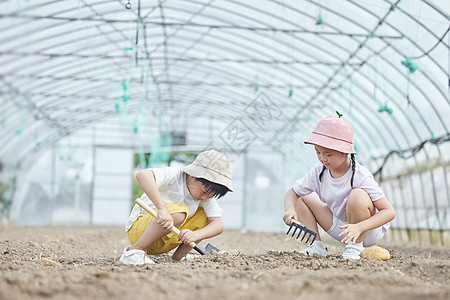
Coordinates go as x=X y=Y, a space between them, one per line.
x=84 y=263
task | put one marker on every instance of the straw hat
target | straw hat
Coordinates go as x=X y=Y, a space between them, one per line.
x=333 y=133
x=213 y=166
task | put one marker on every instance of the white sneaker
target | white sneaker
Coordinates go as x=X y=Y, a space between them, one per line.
x=316 y=248
x=190 y=256
x=135 y=257
x=352 y=251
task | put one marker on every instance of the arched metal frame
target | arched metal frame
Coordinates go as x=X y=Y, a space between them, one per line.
x=66 y=67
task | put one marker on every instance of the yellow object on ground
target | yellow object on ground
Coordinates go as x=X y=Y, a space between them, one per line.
x=376 y=252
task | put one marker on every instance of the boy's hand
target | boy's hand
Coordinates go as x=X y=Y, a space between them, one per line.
x=187 y=236
x=165 y=219
x=288 y=216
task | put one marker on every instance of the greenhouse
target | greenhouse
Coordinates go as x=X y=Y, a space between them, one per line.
x=292 y=149
x=93 y=91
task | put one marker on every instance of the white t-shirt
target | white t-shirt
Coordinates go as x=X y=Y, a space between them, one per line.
x=171 y=183
x=334 y=192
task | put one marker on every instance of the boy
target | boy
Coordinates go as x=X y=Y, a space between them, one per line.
x=184 y=198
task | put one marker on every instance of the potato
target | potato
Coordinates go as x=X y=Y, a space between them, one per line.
x=376 y=252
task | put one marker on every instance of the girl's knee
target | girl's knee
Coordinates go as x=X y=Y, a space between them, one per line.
x=359 y=198
x=300 y=203
x=309 y=199
x=357 y=192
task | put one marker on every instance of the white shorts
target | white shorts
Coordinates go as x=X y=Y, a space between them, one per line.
x=372 y=237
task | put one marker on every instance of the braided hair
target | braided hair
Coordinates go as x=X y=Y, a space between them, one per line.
x=321 y=173
x=352 y=157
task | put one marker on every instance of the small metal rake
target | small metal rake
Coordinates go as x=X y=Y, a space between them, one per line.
x=302 y=228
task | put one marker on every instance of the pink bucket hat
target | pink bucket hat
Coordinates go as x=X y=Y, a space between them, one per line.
x=333 y=133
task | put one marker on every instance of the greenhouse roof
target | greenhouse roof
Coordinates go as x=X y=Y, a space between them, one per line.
x=273 y=68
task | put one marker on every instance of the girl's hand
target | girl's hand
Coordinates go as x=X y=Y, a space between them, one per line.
x=187 y=236
x=165 y=219
x=288 y=216
x=351 y=232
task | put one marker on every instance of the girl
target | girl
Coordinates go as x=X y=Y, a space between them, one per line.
x=339 y=194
